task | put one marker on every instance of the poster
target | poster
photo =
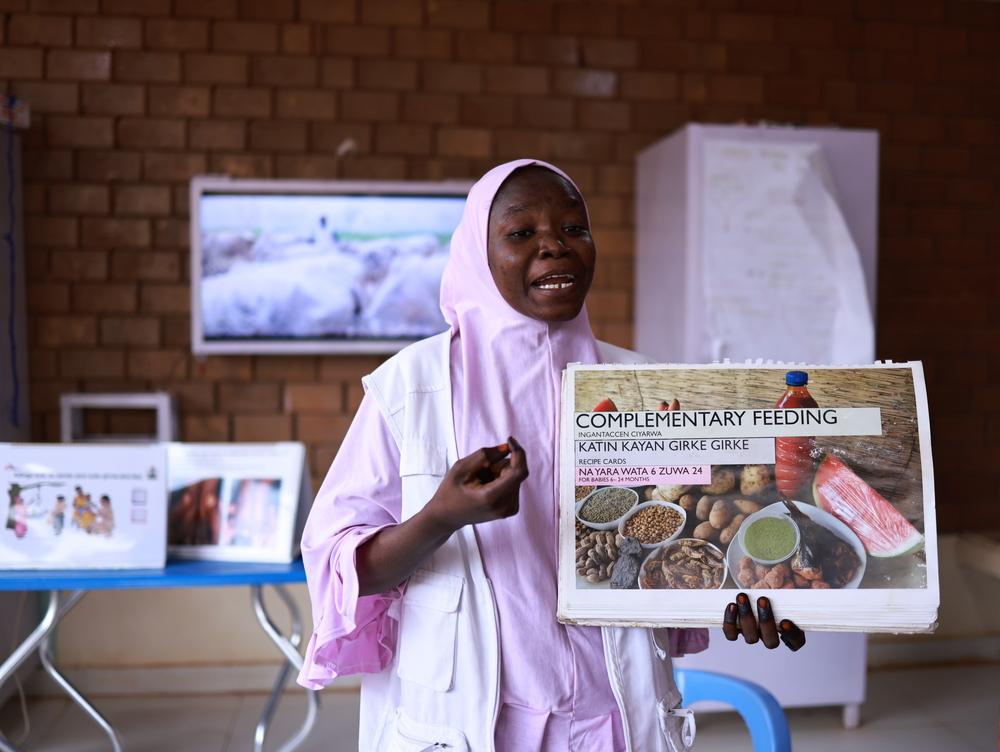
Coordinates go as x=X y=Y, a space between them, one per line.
x=682 y=485
x=237 y=502
x=78 y=506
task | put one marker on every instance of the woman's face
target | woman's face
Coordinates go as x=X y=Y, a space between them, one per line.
x=539 y=247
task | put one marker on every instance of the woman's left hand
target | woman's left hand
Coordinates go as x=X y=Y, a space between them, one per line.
x=738 y=619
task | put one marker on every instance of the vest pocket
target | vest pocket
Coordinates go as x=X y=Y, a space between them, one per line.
x=428 y=627
x=409 y=735
x=676 y=723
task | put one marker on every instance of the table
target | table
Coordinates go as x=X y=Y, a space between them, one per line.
x=177 y=574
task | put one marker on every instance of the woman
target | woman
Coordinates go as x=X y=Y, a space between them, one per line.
x=445 y=489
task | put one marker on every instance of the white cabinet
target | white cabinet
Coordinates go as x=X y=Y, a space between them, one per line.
x=701 y=228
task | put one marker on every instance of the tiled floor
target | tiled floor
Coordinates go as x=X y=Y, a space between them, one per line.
x=944 y=710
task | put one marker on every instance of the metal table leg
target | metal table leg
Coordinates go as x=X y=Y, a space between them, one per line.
x=40 y=639
x=289 y=648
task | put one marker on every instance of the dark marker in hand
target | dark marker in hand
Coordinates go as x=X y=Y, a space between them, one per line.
x=730 y=628
x=791 y=635
x=768 y=627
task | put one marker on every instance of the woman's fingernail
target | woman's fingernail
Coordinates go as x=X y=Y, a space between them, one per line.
x=730 y=628
x=764 y=612
x=791 y=635
x=743 y=603
x=730 y=615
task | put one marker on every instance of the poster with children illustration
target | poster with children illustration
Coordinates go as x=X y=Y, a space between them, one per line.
x=72 y=506
x=683 y=485
x=237 y=502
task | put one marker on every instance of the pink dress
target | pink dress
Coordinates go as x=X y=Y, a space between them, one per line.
x=505 y=373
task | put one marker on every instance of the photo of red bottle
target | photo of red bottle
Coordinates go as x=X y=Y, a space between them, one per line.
x=793 y=455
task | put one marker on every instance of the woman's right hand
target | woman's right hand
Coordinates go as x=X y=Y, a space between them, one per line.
x=480 y=487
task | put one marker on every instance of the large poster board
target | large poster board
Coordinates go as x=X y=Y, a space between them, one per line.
x=681 y=485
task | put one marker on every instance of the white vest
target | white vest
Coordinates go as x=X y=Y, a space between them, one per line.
x=442 y=686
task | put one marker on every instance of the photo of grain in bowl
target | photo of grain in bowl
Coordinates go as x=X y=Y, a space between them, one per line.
x=604 y=507
x=684 y=564
x=653 y=522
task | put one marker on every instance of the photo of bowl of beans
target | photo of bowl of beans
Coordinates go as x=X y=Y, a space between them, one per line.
x=653 y=523
x=604 y=508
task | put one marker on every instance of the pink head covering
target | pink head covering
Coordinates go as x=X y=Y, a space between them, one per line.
x=508 y=359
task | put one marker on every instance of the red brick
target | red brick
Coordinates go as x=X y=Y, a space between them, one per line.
x=322 y=428
x=115 y=232
x=75 y=265
x=179 y=101
x=104 y=297
x=149 y=133
x=50 y=231
x=65 y=130
x=44 y=96
x=148 y=67
x=460 y=78
x=244 y=36
x=582 y=146
x=331 y=137
x=249 y=397
x=285 y=368
x=192 y=397
x=205 y=428
x=243 y=165
x=370 y=106
x=64 y=6
x=43 y=31
x=215 y=68
x=391 y=13
x=228 y=368
x=176 y=34
x=485 y=47
x=206 y=8
x=430 y=108
x=459 y=14
x=114 y=99
x=142 y=200
x=548 y=50
x=262 y=427
x=306 y=167
x=736 y=89
x=274 y=70
x=108 y=33
x=141 y=331
x=217 y=134
x=490 y=111
x=267 y=10
x=425 y=44
x=586 y=83
x=157 y=365
x=659 y=22
x=296 y=39
x=231 y=101
x=516 y=79
x=137 y=7
x=889 y=36
x=77 y=66
x=791 y=91
x=175 y=232
x=91 y=364
x=177 y=332
x=48 y=297
x=979 y=72
x=978 y=131
x=331 y=11
x=591 y=19
x=393 y=138
x=268 y=135
x=337 y=73
x=649 y=85
x=78 y=199
x=108 y=165
x=605 y=116
x=514 y=144
x=145 y=266
x=806 y=31
x=313 y=398
x=523 y=16
x=610 y=53
x=306 y=104
x=545 y=112
x=464 y=142
x=375 y=168
x=388 y=74
x=357 y=40
x=759 y=58
x=744 y=27
x=165 y=299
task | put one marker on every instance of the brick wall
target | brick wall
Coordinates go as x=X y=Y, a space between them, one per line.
x=133 y=97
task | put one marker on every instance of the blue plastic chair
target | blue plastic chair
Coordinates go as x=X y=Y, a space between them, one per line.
x=760 y=711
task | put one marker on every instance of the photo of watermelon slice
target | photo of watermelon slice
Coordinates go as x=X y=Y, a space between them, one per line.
x=882 y=529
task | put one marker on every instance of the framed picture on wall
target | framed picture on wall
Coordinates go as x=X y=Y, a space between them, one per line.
x=236 y=502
